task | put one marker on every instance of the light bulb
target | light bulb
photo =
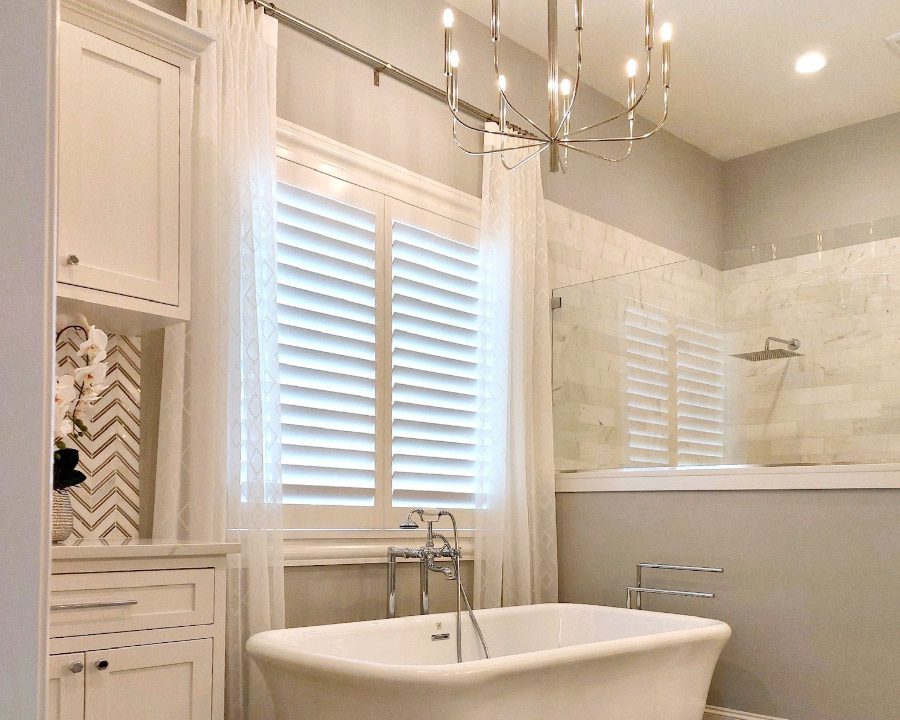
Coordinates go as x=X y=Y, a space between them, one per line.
x=565 y=86
x=448 y=18
x=454 y=59
x=501 y=82
x=665 y=32
x=810 y=62
x=631 y=68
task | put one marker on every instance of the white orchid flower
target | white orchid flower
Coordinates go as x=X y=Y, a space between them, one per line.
x=84 y=410
x=64 y=427
x=95 y=344
x=65 y=391
x=91 y=376
x=64 y=395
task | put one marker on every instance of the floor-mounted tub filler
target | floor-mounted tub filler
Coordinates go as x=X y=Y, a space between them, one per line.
x=547 y=662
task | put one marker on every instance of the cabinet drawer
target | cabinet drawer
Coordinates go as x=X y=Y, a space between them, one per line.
x=92 y=603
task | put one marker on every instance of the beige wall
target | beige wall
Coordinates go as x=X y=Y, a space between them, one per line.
x=810 y=587
x=325 y=594
x=833 y=180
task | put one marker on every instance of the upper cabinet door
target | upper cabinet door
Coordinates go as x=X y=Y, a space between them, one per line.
x=65 y=696
x=119 y=160
x=168 y=681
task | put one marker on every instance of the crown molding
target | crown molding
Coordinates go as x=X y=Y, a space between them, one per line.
x=139 y=26
x=712 y=713
x=321 y=153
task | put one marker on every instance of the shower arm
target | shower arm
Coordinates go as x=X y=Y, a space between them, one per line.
x=793 y=344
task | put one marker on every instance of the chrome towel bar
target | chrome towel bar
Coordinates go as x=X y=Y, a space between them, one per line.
x=633 y=593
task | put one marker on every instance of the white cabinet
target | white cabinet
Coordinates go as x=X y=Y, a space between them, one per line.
x=137 y=631
x=170 y=680
x=148 y=682
x=124 y=148
x=65 y=696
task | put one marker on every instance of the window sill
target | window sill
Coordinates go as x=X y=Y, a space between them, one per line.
x=356 y=547
x=884 y=476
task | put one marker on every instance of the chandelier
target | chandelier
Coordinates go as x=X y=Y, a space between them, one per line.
x=558 y=136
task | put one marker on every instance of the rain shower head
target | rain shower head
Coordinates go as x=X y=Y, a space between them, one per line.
x=767 y=354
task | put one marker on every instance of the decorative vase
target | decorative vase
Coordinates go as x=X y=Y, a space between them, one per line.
x=62 y=519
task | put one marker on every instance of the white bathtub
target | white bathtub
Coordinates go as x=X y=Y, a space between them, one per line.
x=548 y=662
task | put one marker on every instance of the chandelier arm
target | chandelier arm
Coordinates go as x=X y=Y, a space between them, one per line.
x=534 y=153
x=539 y=143
x=600 y=156
x=628 y=109
x=456 y=118
x=569 y=141
x=506 y=99
x=571 y=103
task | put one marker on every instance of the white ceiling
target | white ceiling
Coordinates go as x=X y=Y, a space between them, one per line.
x=734 y=89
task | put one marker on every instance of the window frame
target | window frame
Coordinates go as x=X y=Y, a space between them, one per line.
x=324 y=166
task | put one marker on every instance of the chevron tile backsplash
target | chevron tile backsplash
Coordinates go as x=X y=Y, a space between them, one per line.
x=106 y=505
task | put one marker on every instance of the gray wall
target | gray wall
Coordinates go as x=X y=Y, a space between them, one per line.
x=668 y=192
x=840 y=178
x=27 y=213
x=810 y=587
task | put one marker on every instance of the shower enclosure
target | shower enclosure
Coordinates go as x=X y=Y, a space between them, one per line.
x=781 y=360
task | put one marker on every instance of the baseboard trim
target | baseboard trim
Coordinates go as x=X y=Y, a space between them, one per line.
x=713 y=713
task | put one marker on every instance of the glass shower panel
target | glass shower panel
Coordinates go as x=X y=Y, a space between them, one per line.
x=638 y=370
x=645 y=373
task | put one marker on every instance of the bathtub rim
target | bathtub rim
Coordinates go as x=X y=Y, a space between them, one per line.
x=266 y=647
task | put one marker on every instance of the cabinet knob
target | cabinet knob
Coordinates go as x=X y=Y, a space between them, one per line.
x=72 y=260
x=102 y=664
x=76 y=667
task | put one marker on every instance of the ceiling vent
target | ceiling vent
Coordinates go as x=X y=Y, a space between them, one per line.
x=893 y=42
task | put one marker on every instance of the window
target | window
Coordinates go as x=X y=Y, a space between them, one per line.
x=378 y=328
x=674 y=389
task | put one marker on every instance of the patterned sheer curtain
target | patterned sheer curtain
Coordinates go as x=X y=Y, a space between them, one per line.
x=218 y=465
x=515 y=539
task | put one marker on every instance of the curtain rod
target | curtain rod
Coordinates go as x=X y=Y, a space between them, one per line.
x=381 y=67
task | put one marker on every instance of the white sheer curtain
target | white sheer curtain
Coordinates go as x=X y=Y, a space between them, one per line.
x=218 y=466
x=515 y=539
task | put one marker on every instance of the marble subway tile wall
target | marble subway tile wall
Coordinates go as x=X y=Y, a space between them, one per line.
x=840 y=402
x=606 y=277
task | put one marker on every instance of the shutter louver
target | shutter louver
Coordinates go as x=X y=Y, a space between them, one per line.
x=434 y=368
x=326 y=335
x=647 y=385
x=701 y=393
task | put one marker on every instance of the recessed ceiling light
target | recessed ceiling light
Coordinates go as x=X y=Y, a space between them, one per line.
x=810 y=62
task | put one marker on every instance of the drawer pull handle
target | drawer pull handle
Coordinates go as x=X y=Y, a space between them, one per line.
x=102 y=664
x=76 y=667
x=100 y=604
x=72 y=260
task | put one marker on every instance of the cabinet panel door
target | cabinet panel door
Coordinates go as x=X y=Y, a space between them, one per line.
x=119 y=168
x=65 y=694
x=150 y=682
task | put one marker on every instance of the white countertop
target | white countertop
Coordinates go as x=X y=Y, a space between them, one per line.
x=75 y=549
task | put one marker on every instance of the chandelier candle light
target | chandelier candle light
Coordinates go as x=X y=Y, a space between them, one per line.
x=558 y=136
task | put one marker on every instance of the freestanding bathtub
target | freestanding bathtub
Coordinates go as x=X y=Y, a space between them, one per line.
x=548 y=662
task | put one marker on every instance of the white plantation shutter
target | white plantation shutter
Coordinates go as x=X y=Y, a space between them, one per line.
x=647 y=385
x=701 y=392
x=327 y=345
x=378 y=328
x=435 y=320
x=674 y=389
